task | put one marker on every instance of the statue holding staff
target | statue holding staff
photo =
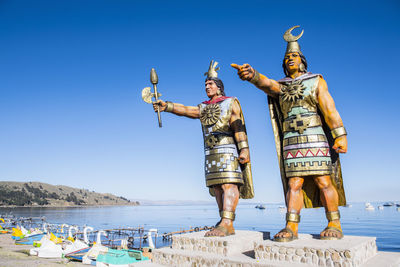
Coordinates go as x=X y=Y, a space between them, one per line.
x=309 y=134
x=227 y=157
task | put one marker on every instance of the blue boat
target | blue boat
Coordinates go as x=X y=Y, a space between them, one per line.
x=77 y=255
x=29 y=240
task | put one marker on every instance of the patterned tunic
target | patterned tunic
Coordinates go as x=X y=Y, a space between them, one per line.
x=221 y=154
x=305 y=146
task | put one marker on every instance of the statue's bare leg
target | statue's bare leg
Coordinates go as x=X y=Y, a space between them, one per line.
x=219 y=198
x=294 y=204
x=330 y=200
x=230 y=199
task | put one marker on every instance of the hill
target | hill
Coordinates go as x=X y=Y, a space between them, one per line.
x=41 y=194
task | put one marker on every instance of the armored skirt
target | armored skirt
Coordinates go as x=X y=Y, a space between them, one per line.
x=221 y=153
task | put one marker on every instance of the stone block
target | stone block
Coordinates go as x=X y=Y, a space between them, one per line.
x=241 y=242
x=353 y=250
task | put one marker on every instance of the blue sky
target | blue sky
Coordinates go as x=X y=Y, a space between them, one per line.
x=71 y=75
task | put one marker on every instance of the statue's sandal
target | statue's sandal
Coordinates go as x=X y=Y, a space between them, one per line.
x=228 y=215
x=290 y=217
x=332 y=216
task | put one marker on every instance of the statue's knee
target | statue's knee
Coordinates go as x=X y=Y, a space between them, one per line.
x=324 y=183
x=295 y=185
x=231 y=189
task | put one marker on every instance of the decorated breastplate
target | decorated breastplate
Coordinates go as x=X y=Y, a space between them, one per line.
x=210 y=114
x=298 y=93
x=214 y=120
x=292 y=91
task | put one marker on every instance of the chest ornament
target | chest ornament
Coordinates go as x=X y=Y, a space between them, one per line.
x=210 y=114
x=293 y=91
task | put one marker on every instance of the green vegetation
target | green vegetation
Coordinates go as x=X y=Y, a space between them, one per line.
x=41 y=194
x=14 y=197
x=28 y=195
x=72 y=198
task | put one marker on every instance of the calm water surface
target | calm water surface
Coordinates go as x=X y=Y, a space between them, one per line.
x=383 y=224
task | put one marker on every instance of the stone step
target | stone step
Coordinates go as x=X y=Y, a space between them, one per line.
x=241 y=242
x=185 y=258
x=173 y=257
x=387 y=259
x=349 y=251
x=254 y=249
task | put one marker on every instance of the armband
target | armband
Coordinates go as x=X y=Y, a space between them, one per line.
x=255 y=78
x=337 y=132
x=242 y=144
x=170 y=106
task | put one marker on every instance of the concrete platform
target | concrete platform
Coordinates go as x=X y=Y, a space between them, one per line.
x=349 y=251
x=182 y=258
x=242 y=241
x=254 y=249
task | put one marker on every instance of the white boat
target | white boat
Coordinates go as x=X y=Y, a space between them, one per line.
x=91 y=256
x=282 y=209
x=368 y=206
x=380 y=207
x=72 y=245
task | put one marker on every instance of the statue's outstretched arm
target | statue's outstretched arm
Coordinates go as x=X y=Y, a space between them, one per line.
x=248 y=73
x=177 y=109
x=331 y=116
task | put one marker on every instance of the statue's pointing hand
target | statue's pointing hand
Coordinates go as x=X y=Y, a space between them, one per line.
x=161 y=104
x=245 y=71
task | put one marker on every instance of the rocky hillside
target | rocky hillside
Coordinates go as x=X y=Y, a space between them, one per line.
x=41 y=194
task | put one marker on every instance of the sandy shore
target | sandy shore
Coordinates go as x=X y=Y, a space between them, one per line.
x=12 y=255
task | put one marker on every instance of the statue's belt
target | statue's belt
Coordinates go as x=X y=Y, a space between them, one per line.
x=301 y=123
x=217 y=140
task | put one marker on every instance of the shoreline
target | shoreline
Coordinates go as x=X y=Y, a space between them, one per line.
x=12 y=255
x=72 y=206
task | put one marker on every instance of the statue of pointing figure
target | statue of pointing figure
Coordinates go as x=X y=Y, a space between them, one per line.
x=309 y=134
x=227 y=157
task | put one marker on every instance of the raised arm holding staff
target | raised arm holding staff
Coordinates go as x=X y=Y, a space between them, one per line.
x=227 y=157
x=309 y=134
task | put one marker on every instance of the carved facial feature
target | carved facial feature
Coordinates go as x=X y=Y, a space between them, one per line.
x=211 y=89
x=292 y=62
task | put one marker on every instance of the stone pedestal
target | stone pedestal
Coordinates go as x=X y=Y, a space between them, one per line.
x=241 y=242
x=254 y=249
x=349 y=251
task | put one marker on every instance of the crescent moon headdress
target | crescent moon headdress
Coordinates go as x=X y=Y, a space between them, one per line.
x=292 y=46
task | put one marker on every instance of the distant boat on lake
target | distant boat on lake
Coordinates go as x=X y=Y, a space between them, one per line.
x=368 y=206
x=380 y=207
x=388 y=204
x=261 y=207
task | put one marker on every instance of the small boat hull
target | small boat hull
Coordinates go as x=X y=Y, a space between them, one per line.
x=120 y=257
x=77 y=255
x=29 y=240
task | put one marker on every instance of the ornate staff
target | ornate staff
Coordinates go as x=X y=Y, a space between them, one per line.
x=147 y=95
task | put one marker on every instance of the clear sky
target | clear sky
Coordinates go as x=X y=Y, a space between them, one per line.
x=71 y=75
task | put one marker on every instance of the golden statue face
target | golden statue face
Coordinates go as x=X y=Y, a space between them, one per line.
x=211 y=88
x=292 y=62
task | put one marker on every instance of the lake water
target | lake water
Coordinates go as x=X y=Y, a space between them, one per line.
x=383 y=224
